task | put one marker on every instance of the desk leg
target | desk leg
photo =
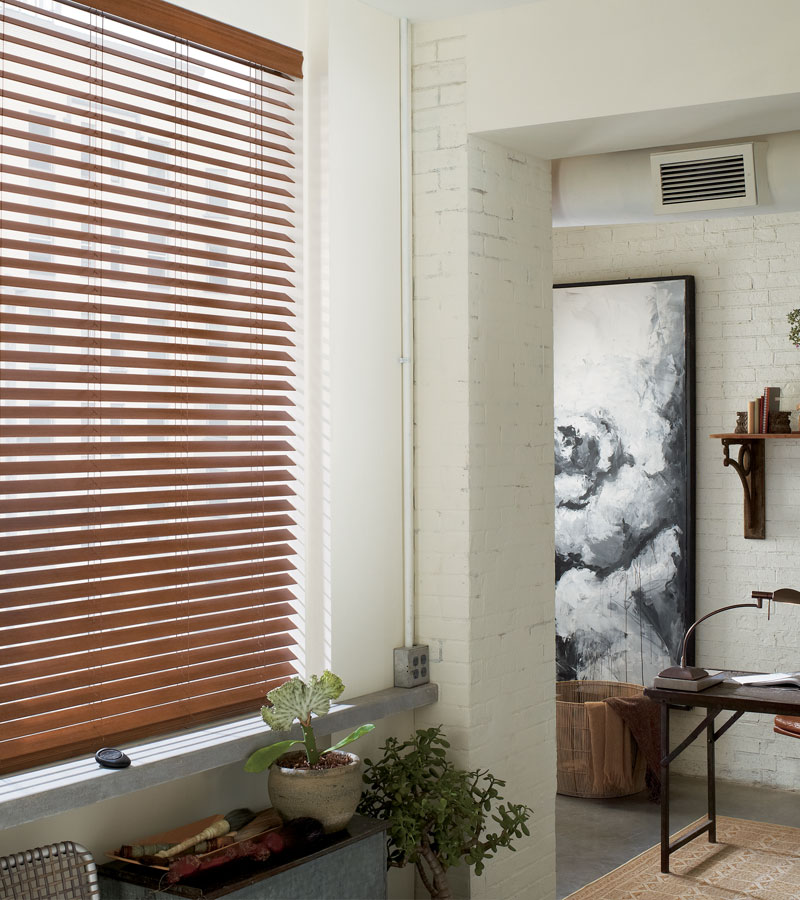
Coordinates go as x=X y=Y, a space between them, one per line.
x=711 y=777
x=664 y=787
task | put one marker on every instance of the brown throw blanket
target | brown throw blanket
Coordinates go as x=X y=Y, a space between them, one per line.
x=614 y=766
x=643 y=717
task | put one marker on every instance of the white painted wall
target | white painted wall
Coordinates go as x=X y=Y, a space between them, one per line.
x=747 y=272
x=352 y=219
x=365 y=344
x=273 y=19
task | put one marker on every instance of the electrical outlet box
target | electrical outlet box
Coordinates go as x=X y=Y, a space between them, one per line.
x=411 y=666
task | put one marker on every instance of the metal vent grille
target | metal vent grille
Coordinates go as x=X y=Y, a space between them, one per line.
x=704 y=178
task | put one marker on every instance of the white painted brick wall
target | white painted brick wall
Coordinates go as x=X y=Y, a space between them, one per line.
x=511 y=490
x=441 y=368
x=483 y=363
x=747 y=272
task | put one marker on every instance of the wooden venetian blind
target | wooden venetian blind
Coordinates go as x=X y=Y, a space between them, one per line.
x=147 y=336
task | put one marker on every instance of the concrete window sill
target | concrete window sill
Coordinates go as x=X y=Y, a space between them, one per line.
x=49 y=790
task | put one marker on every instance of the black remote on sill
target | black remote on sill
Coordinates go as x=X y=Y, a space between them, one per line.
x=112 y=759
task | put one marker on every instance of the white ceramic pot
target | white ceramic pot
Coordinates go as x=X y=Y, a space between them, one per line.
x=328 y=795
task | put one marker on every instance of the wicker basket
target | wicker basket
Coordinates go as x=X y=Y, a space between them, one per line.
x=577 y=768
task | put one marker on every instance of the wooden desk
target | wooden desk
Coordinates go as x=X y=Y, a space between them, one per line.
x=734 y=698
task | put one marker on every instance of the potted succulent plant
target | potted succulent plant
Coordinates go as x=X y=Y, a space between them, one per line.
x=319 y=784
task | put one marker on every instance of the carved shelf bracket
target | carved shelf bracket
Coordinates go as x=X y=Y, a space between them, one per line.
x=751 y=471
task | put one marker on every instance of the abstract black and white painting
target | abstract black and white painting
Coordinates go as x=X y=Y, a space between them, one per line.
x=624 y=448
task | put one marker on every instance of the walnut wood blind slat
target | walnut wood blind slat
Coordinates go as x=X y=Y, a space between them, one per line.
x=48 y=140
x=142 y=347
x=146 y=550
x=185 y=381
x=174 y=653
x=146 y=100
x=72 y=695
x=111 y=122
x=151 y=178
x=148 y=228
x=189 y=365
x=192 y=710
x=197 y=252
x=88 y=490
x=65 y=287
x=138 y=328
x=149 y=262
x=151 y=312
x=80 y=58
x=154 y=312
x=203 y=604
x=242 y=211
x=135 y=83
x=218 y=657
x=133 y=532
x=238 y=161
x=129 y=513
x=201 y=229
x=209 y=599
x=147 y=367
x=151 y=631
x=36 y=502
x=81 y=448
x=162 y=687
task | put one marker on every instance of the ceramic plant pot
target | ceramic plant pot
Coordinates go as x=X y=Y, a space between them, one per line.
x=328 y=795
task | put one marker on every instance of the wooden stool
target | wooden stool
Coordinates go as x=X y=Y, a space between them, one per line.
x=788 y=725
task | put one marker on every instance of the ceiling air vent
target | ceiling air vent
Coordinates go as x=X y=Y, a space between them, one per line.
x=704 y=178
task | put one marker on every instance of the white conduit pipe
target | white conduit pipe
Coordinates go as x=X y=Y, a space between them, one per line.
x=407 y=314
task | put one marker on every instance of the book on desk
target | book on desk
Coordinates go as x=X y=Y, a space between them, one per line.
x=687 y=684
x=771 y=679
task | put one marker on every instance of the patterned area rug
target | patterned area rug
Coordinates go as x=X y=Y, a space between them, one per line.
x=751 y=861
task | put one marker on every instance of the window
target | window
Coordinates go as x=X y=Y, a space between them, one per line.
x=147 y=357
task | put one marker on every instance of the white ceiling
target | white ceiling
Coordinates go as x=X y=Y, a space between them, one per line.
x=424 y=10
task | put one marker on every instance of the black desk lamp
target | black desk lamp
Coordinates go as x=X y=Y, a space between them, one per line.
x=692 y=673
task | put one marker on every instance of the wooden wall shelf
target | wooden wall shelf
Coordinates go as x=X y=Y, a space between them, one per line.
x=750 y=466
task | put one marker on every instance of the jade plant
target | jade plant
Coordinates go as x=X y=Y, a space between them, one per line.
x=438 y=815
x=794 y=326
x=297 y=700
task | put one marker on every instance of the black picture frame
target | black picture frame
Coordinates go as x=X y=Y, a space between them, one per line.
x=604 y=463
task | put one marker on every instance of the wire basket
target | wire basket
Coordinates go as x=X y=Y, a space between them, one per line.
x=64 y=871
x=582 y=771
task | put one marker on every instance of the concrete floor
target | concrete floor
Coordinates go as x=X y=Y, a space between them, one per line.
x=595 y=836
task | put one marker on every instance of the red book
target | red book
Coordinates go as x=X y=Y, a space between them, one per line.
x=760 y=420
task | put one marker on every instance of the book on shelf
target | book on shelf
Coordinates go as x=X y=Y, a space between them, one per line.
x=772 y=404
x=768 y=403
x=772 y=679
x=686 y=684
x=760 y=409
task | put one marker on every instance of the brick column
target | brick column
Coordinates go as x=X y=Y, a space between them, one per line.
x=484 y=445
